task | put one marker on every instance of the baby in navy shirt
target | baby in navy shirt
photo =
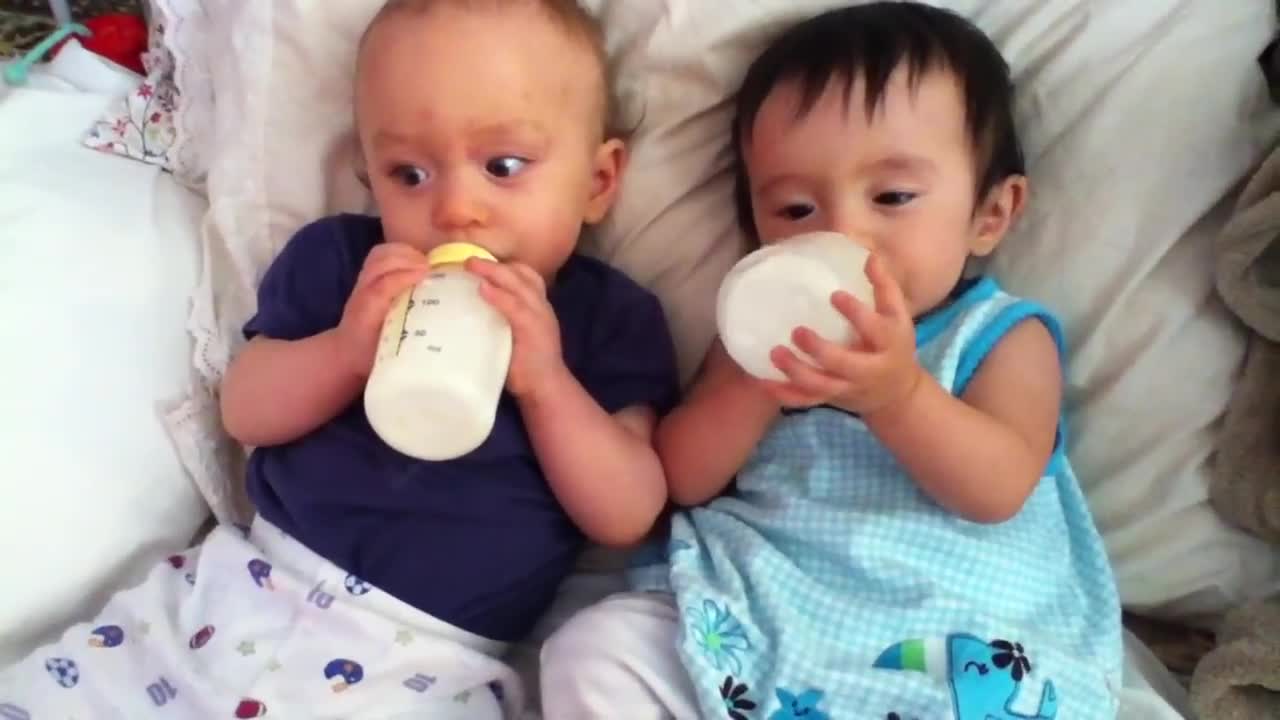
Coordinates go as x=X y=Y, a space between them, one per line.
x=372 y=584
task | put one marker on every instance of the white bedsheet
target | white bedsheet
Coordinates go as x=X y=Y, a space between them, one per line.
x=1150 y=692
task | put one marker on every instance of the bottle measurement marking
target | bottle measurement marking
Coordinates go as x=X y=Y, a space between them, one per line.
x=404 y=324
x=404 y=320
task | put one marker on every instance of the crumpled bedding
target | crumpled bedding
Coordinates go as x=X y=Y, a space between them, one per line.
x=1245 y=487
x=1240 y=678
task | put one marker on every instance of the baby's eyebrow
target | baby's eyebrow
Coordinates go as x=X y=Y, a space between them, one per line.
x=773 y=182
x=391 y=137
x=905 y=164
x=520 y=130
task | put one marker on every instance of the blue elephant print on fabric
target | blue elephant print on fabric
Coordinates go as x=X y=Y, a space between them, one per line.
x=985 y=677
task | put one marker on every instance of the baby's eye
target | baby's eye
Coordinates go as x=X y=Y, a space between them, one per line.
x=409 y=176
x=506 y=166
x=895 y=198
x=796 y=211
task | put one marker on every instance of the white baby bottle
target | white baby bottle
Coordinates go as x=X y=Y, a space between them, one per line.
x=441 y=363
x=782 y=286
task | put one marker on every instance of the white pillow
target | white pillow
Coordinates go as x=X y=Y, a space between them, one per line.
x=1121 y=246
x=1136 y=118
x=99 y=258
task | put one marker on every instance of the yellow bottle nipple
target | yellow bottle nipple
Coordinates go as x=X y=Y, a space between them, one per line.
x=456 y=253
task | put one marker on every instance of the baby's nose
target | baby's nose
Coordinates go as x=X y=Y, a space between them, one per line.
x=456 y=208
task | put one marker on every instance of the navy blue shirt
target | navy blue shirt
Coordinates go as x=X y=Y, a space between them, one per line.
x=479 y=542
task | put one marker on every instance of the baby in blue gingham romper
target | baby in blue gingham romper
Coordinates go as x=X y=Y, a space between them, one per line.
x=895 y=532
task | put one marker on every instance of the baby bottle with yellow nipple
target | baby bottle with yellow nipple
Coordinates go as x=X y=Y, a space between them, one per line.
x=441 y=362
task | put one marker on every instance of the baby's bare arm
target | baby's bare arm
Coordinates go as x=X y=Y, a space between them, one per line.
x=601 y=468
x=279 y=390
x=981 y=455
x=705 y=441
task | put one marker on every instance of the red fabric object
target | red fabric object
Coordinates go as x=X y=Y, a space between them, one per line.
x=118 y=37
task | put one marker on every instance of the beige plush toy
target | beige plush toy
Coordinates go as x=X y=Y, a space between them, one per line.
x=1240 y=678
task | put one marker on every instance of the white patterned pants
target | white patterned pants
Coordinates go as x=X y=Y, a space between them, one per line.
x=255 y=625
x=618 y=659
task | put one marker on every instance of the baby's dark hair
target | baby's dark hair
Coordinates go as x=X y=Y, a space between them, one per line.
x=868 y=42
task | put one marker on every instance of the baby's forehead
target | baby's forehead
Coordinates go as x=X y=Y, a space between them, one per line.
x=931 y=102
x=556 y=64
x=575 y=33
x=923 y=115
x=936 y=89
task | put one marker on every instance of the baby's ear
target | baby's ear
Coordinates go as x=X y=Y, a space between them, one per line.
x=606 y=176
x=997 y=213
x=358 y=164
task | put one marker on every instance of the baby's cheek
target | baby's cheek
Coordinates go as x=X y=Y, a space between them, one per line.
x=554 y=240
x=401 y=224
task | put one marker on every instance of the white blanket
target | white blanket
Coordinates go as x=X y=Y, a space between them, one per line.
x=252 y=623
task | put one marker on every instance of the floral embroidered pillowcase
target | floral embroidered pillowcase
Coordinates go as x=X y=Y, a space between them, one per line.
x=140 y=125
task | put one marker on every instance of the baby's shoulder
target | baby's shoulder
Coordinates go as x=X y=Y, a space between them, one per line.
x=326 y=253
x=584 y=275
x=346 y=235
x=614 y=334
x=596 y=292
x=954 y=343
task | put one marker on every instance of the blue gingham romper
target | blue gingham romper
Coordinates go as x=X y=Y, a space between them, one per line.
x=827 y=585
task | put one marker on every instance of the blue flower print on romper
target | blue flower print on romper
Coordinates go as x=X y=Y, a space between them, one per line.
x=802 y=706
x=736 y=702
x=720 y=636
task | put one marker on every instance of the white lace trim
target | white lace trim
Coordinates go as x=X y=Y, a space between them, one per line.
x=198 y=33
x=212 y=459
x=186 y=26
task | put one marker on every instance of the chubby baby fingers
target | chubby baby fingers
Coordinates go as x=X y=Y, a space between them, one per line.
x=531 y=278
x=388 y=258
x=516 y=279
x=392 y=283
x=874 y=330
x=833 y=359
x=889 y=298
x=373 y=300
x=526 y=315
x=806 y=378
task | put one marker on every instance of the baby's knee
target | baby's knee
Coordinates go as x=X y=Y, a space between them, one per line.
x=617 y=654
x=582 y=641
x=580 y=666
